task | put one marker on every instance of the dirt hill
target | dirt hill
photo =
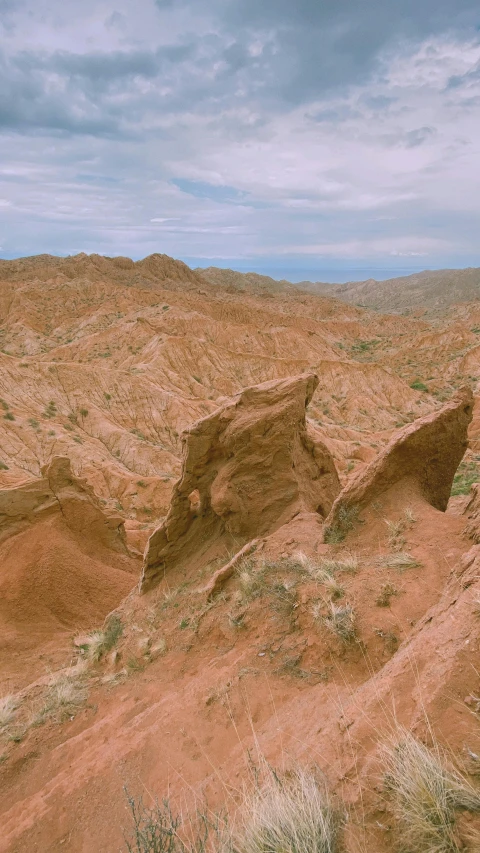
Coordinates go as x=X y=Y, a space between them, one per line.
x=227 y=536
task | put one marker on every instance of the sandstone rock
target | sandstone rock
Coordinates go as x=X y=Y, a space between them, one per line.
x=222 y=575
x=247 y=469
x=426 y=452
x=60 y=491
x=80 y=507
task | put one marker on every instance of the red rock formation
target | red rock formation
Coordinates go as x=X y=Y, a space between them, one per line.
x=63 y=564
x=59 y=490
x=247 y=469
x=427 y=453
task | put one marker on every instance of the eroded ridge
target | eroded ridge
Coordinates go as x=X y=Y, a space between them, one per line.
x=247 y=469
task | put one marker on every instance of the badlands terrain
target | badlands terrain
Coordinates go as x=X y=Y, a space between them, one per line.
x=239 y=529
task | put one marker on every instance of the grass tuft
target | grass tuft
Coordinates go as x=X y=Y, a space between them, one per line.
x=99 y=643
x=291 y=814
x=387 y=591
x=347 y=517
x=400 y=560
x=341 y=621
x=426 y=795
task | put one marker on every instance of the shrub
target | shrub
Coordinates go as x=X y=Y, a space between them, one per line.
x=418 y=386
x=3 y=466
x=347 y=517
x=9 y=416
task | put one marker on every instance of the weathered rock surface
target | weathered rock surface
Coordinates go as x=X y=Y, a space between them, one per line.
x=59 y=490
x=248 y=468
x=426 y=452
x=63 y=564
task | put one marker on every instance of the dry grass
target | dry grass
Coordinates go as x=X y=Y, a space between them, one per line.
x=292 y=814
x=347 y=518
x=400 y=560
x=387 y=591
x=332 y=587
x=98 y=643
x=340 y=620
x=8 y=706
x=396 y=529
x=426 y=796
x=64 y=695
x=347 y=564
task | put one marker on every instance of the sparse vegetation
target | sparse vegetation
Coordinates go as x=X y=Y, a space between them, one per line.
x=347 y=517
x=287 y=814
x=426 y=795
x=418 y=386
x=8 y=706
x=64 y=695
x=347 y=564
x=50 y=410
x=99 y=643
x=387 y=591
x=467 y=474
x=400 y=560
x=340 y=620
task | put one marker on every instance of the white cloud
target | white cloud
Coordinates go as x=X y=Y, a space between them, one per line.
x=382 y=165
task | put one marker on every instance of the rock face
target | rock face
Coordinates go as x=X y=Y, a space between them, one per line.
x=247 y=468
x=59 y=490
x=426 y=452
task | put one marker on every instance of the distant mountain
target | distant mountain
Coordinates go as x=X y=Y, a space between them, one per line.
x=430 y=290
x=251 y=281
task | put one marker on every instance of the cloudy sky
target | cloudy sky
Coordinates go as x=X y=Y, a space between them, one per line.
x=266 y=134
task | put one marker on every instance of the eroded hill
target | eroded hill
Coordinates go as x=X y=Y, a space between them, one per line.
x=307 y=586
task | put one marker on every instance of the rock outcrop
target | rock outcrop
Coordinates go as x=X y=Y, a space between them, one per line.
x=60 y=491
x=247 y=469
x=426 y=452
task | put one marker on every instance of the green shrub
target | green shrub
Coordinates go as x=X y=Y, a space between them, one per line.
x=467 y=474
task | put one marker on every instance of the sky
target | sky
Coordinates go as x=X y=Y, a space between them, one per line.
x=306 y=136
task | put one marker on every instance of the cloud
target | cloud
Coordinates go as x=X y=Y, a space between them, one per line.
x=254 y=129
